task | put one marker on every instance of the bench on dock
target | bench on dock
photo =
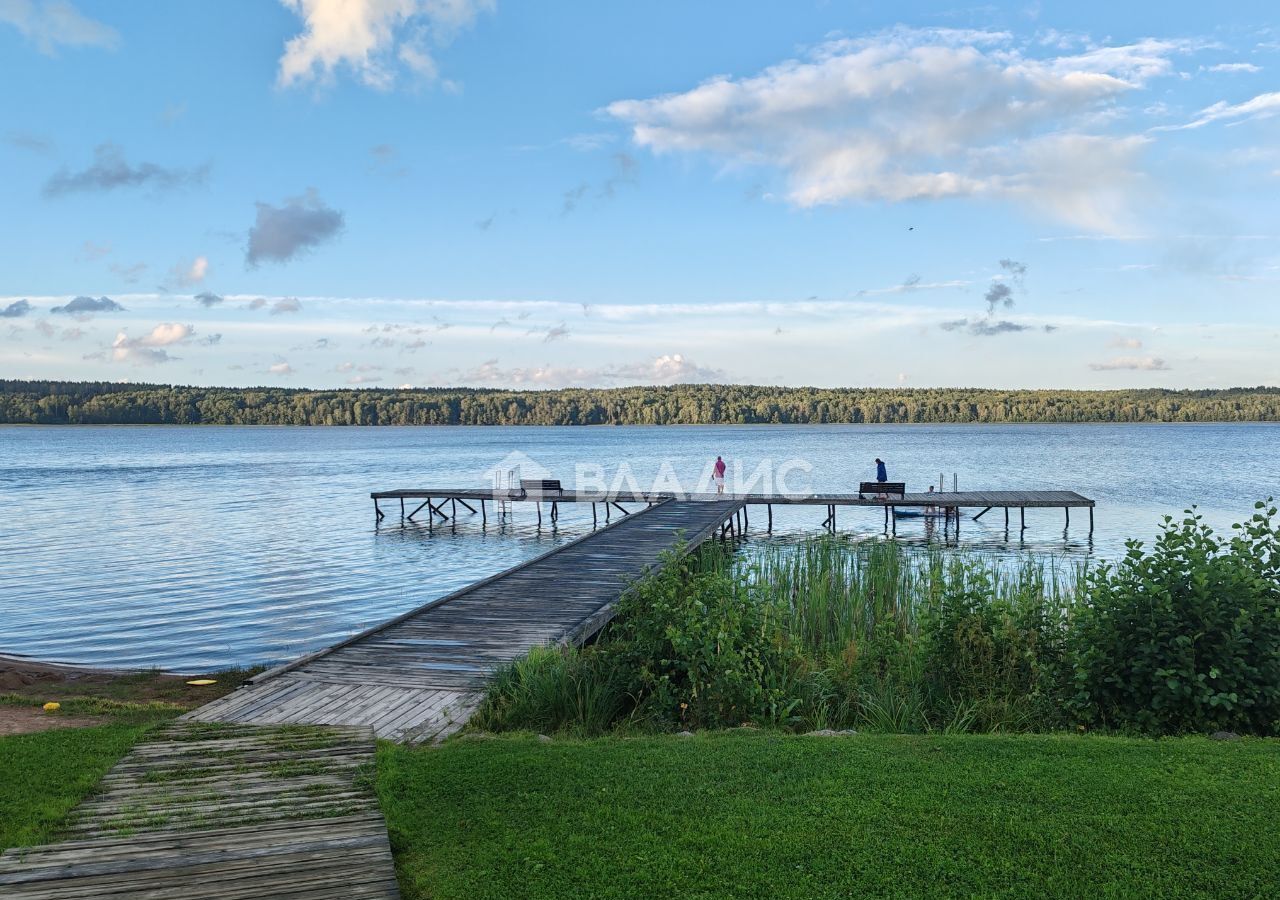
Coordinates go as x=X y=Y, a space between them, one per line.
x=897 y=488
x=537 y=486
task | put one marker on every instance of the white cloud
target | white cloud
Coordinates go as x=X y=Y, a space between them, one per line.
x=190 y=274
x=1236 y=67
x=1263 y=106
x=150 y=348
x=1134 y=363
x=281 y=368
x=921 y=114
x=52 y=23
x=370 y=36
x=672 y=368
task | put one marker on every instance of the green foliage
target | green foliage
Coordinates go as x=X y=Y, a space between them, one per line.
x=701 y=651
x=987 y=655
x=765 y=815
x=60 y=402
x=1186 y=637
x=555 y=689
x=873 y=635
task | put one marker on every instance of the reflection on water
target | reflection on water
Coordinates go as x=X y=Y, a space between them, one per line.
x=191 y=548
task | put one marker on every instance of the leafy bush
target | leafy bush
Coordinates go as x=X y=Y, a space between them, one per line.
x=700 y=650
x=1186 y=637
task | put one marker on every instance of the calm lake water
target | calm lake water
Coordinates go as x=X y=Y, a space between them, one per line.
x=197 y=548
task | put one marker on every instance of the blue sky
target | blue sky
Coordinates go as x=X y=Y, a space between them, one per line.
x=429 y=192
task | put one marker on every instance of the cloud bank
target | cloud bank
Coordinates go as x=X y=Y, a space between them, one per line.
x=923 y=114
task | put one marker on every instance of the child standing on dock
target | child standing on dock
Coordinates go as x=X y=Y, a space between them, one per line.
x=717 y=474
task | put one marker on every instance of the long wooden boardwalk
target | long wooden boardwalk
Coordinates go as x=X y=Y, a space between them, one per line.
x=222 y=812
x=420 y=676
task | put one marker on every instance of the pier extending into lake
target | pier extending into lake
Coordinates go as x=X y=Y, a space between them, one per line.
x=443 y=503
x=420 y=676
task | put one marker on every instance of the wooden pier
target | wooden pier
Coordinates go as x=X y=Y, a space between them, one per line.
x=221 y=812
x=421 y=675
x=442 y=503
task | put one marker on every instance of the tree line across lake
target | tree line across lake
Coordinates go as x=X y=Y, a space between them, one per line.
x=105 y=403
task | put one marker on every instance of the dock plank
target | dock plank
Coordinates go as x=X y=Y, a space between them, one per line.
x=421 y=675
x=201 y=811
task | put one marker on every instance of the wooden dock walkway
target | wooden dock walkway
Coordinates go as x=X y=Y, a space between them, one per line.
x=443 y=502
x=421 y=675
x=217 y=812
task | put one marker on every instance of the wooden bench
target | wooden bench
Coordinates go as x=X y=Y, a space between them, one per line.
x=897 y=488
x=541 y=486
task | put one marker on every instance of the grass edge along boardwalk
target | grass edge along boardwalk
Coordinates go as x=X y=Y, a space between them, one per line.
x=421 y=675
x=223 y=812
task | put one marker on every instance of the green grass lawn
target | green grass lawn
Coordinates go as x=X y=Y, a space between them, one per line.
x=768 y=815
x=44 y=775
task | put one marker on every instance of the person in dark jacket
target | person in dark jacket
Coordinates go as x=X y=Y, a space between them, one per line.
x=882 y=474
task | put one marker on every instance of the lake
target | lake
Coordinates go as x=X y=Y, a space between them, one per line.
x=204 y=547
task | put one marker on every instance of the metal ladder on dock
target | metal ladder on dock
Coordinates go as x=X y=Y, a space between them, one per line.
x=504 y=496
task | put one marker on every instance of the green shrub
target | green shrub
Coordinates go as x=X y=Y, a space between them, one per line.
x=700 y=649
x=1185 y=637
x=988 y=656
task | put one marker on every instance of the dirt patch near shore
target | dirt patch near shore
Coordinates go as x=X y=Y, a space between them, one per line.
x=29 y=719
x=40 y=681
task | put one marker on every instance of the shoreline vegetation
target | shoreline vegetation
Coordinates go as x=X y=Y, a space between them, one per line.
x=674 y=766
x=106 y=403
x=1182 y=637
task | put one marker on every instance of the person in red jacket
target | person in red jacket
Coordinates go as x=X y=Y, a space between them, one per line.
x=717 y=475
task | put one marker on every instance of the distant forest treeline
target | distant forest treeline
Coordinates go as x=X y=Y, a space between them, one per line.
x=105 y=403
x=102 y=403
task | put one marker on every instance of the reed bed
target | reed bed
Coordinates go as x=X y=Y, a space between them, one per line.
x=833 y=591
x=832 y=633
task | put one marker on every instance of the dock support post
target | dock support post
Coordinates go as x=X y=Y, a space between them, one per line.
x=981 y=514
x=1022 y=511
x=769 y=506
x=376 y=511
x=1006 y=518
x=538 y=504
x=1091 y=520
x=401 y=509
x=893 y=518
x=1067 y=510
x=593 y=514
x=886 y=518
x=419 y=509
x=484 y=516
x=453 y=508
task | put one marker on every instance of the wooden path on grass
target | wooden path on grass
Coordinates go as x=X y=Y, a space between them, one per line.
x=420 y=676
x=224 y=813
